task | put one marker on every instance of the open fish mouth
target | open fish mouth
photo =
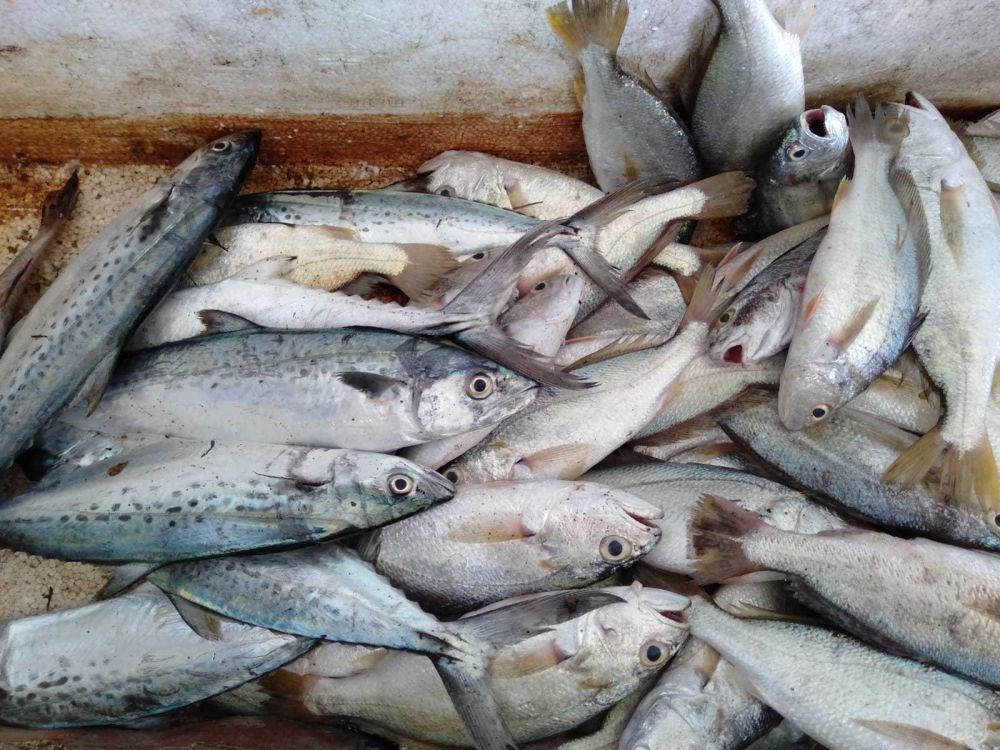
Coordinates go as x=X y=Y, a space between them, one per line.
x=734 y=355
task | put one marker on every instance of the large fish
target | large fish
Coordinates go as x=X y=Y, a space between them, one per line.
x=753 y=86
x=959 y=339
x=55 y=211
x=66 y=347
x=176 y=499
x=929 y=600
x=845 y=694
x=799 y=180
x=630 y=129
x=854 y=324
x=127 y=658
x=328 y=592
x=494 y=541
x=357 y=388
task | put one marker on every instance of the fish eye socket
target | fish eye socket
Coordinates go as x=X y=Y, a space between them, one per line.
x=797 y=152
x=453 y=474
x=220 y=147
x=653 y=653
x=479 y=256
x=540 y=286
x=446 y=191
x=820 y=412
x=479 y=386
x=401 y=484
x=726 y=316
x=615 y=549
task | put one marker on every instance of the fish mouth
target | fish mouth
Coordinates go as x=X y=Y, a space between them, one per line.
x=734 y=355
x=815 y=122
x=911 y=100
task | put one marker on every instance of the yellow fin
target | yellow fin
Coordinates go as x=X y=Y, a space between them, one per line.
x=599 y=22
x=845 y=336
x=579 y=88
x=426 y=267
x=916 y=737
x=703 y=300
x=916 y=461
x=841 y=193
x=521 y=662
x=971 y=479
x=558 y=462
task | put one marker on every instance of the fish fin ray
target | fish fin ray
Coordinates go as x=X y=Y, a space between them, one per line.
x=625 y=344
x=913 y=464
x=717 y=527
x=123 y=576
x=426 y=267
x=841 y=339
x=96 y=383
x=566 y=462
x=220 y=321
x=701 y=309
x=916 y=737
x=371 y=384
x=494 y=344
x=467 y=681
x=599 y=22
x=798 y=19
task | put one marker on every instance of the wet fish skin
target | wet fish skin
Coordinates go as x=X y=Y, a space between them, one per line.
x=926 y=599
x=502 y=539
x=904 y=396
x=753 y=85
x=821 y=681
x=141 y=658
x=799 y=180
x=854 y=324
x=67 y=344
x=358 y=388
x=677 y=488
x=173 y=499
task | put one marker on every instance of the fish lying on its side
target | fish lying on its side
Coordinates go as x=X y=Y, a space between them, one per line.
x=65 y=348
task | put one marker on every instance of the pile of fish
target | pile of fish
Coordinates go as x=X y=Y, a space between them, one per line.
x=585 y=481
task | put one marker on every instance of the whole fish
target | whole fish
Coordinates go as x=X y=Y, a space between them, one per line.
x=698 y=703
x=171 y=500
x=565 y=434
x=55 y=211
x=843 y=461
x=126 y=658
x=753 y=86
x=798 y=181
x=494 y=541
x=323 y=257
x=528 y=189
x=982 y=139
x=630 y=129
x=358 y=388
x=328 y=592
x=677 y=489
x=854 y=324
x=959 y=339
x=556 y=677
x=760 y=320
x=66 y=346
x=929 y=600
x=822 y=681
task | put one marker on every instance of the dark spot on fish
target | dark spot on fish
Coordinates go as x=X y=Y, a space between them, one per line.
x=117 y=469
x=55 y=683
x=125 y=517
x=192 y=503
x=172 y=524
x=64 y=519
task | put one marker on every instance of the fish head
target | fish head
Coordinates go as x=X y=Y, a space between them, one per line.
x=466 y=174
x=931 y=146
x=388 y=487
x=809 y=392
x=754 y=326
x=542 y=318
x=815 y=148
x=213 y=169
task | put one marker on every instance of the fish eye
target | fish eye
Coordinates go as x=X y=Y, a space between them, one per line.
x=221 y=147
x=479 y=256
x=797 y=152
x=653 y=653
x=615 y=549
x=401 y=484
x=726 y=316
x=446 y=191
x=820 y=412
x=479 y=386
x=540 y=286
x=453 y=474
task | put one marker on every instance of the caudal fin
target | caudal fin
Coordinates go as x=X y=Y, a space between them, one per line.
x=598 y=22
x=427 y=266
x=716 y=533
x=701 y=308
x=467 y=682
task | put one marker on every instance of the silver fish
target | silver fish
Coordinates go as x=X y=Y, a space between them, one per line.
x=929 y=600
x=822 y=681
x=678 y=488
x=631 y=131
x=66 y=347
x=698 y=703
x=171 y=500
x=126 y=658
x=55 y=211
x=494 y=541
x=753 y=85
x=854 y=324
x=799 y=180
x=364 y=389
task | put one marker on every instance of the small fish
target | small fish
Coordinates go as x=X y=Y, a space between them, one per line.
x=55 y=212
x=753 y=85
x=175 y=499
x=65 y=348
x=759 y=322
x=528 y=189
x=699 y=703
x=356 y=388
x=799 y=180
x=854 y=324
x=677 y=489
x=630 y=129
x=825 y=683
x=495 y=541
x=127 y=658
x=323 y=257
x=931 y=601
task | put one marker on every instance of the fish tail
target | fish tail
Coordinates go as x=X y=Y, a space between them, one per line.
x=59 y=203
x=597 y=22
x=701 y=308
x=874 y=131
x=466 y=678
x=915 y=462
x=970 y=479
x=426 y=267
x=717 y=530
x=723 y=195
x=798 y=19
x=284 y=692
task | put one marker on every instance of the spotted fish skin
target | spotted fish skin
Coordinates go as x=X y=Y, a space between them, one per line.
x=172 y=500
x=66 y=346
x=126 y=658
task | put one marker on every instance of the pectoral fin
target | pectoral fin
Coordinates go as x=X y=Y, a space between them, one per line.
x=912 y=736
x=841 y=339
x=500 y=529
x=94 y=386
x=558 y=462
